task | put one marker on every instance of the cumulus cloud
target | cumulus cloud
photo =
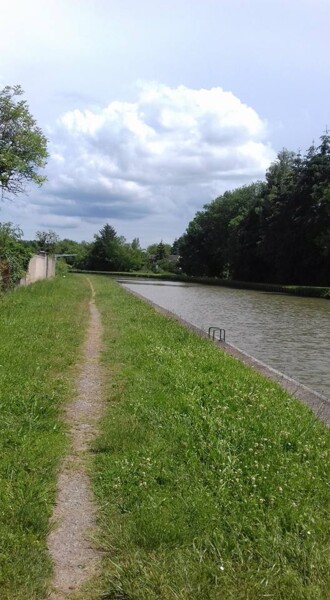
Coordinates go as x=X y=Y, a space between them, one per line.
x=171 y=149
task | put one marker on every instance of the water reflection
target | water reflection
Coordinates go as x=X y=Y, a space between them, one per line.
x=288 y=333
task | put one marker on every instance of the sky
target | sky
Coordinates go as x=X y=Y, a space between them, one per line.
x=153 y=108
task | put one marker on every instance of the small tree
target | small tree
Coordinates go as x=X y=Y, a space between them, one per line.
x=161 y=251
x=23 y=147
x=103 y=253
x=47 y=240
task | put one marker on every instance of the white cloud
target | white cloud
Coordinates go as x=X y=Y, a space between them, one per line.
x=169 y=152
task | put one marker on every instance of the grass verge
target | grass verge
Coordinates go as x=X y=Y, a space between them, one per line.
x=41 y=326
x=212 y=481
x=308 y=291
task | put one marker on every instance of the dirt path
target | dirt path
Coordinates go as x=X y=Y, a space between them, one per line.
x=75 y=559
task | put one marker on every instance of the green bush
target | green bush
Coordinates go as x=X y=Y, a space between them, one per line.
x=14 y=256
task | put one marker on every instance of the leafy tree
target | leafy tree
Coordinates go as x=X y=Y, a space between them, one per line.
x=135 y=256
x=311 y=215
x=175 y=249
x=80 y=261
x=160 y=251
x=23 y=147
x=276 y=217
x=67 y=246
x=245 y=260
x=47 y=241
x=103 y=252
x=195 y=255
x=157 y=257
x=78 y=250
x=296 y=217
x=208 y=245
x=135 y=245
x=276 y=231
x=110 y=252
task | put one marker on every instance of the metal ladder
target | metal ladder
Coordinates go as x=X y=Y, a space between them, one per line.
x=222 y=333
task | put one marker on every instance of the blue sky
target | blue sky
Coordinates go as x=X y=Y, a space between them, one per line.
x=154 y=108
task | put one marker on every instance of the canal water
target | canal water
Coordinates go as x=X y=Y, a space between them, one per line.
x=288 y=333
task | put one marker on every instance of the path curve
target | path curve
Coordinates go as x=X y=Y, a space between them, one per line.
x=74 y=556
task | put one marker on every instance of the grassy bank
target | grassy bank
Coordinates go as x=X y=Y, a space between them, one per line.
x=294 y=290
x=212 y=481
x=41 y=329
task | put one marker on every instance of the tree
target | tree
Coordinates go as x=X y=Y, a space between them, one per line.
x=160 y=251
x=175 y=248
x=103 y=251
x=47 y=240
x=23 y=147
x=157 y=256
x=135 y=256
x=277 y=231
x=311 y=210
x=14 y=256
x=110 y=252
x=207 y=247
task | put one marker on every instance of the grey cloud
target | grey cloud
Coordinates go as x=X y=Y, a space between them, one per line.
x=98 y=211
x=170 y=149
x=57 y=225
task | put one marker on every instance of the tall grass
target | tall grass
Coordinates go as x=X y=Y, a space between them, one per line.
x=41 y=329
x=212 y=481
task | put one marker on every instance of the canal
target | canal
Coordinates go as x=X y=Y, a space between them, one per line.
x=288 y=333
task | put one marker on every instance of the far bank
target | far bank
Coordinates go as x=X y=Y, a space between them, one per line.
x=295 y=290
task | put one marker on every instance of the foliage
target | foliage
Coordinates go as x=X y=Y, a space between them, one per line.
x=47 y=241
x=277 y=231
x=205 y=247
x=159 y=258
x=109 y=252
x=23 y=147
x=212 y=481
x=77 y=250
x=175 y=249
x=14 y=256
x=81 y=258
x=159 y=250
x=103 y=252
x=62 y=267
x=41 y=325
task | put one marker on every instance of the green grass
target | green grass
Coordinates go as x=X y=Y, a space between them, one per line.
x=41 y=329
x=294 y=290
x=212 y=481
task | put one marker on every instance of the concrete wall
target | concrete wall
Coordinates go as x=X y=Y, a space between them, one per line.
x=41 y=266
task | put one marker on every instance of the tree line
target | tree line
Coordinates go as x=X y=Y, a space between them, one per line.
x=107 y=252
x=274 y=231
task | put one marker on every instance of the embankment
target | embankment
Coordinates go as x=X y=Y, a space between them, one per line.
x=293 y=290
x=212 y=479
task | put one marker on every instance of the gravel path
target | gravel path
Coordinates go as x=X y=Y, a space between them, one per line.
x=74 y=556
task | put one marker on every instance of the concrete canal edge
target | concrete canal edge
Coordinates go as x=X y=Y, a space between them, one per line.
x=319 y=404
